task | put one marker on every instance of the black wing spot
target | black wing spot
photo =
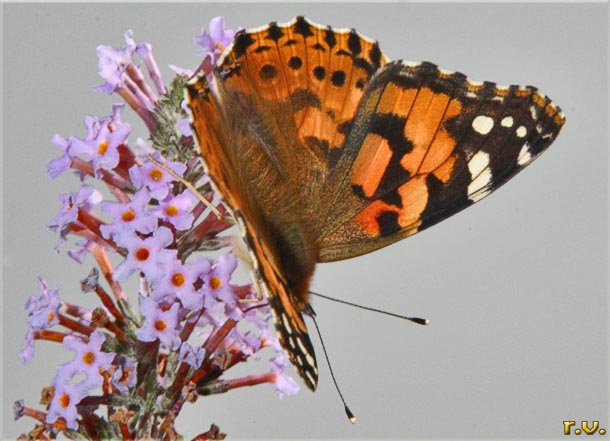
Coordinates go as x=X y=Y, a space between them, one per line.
x=319 y=72
x=274 y=32
x=295 y=63
x=338 y=78
x=302 y=27
x=388 y=223
x=329 y=37
x=353 y=43
x=242 y=42
x=268 y=72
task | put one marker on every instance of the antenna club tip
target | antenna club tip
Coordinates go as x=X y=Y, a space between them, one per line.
x=420 y=321
x=350 y=415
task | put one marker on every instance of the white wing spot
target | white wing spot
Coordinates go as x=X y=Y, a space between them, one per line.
x=521 y=131
x=286 y=323
x=482 y=124
x=480 y=173
x=312 y=380
x=302 y=346
x=507 y=121
x=310 y=360
x=525 y=156
x=534 y=112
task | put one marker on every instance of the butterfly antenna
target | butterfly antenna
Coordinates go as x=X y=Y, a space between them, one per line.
x=418 y=320
x=192 y=188
x=348 y=412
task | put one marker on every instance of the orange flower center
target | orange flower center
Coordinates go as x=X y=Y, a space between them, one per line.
x=156 y=174
x=142 y=254
x=102 y=147
x=89 y=358
x=64 y=400
x=178 y=279
x=51 y=316
x=171 y=210
x=129 y=215
x=215 y=282
x=160 y=325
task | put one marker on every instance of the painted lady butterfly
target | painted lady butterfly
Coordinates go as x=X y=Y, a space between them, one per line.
x=325 y=149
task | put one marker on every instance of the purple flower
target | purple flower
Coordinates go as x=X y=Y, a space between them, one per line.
x=43 y=311
x=85 y=199
x=65 y=399
x=124 y=377
x=181 y=71
x=249 y=342
x=217 y=40
x=160 y=322
x=104 y=136
x=213 y=44
x=145 y=51
x=154 y=178
x=88 y=360
x=147 y=255
x=191 y=355
x=26 y=355
x=176 y=210
x=284 y=385
x=59 y=165
x=113 y=62
x=217 y=282
x=82 y=251
x=178 y=280
x=129 y=217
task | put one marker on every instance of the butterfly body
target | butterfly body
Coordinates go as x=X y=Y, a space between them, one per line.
x=324 y=150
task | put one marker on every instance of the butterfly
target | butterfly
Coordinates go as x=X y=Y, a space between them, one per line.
x=324 y=149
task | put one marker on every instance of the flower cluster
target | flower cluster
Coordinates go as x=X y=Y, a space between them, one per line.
x=143 y=355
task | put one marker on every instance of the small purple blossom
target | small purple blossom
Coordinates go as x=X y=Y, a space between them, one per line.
x=129 y=217
x=191 y=355
x=112 y=63
x=176 y=210
x=284 y=385
x=26 y=354
x=160 y=322
x=82 y=250
x=65 y=399
x=86 y=198
x=104 y=136
x=43 y=311
x=178 y=280
x=218 y=281
x=145 y=51
x=88 y=360
x=216 y=40
x=155 y=178
x=59 y=165
x=146 y=255
x=124 y=378
x=116 y=66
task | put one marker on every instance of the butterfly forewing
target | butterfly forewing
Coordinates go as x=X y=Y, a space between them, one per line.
x=325 y=150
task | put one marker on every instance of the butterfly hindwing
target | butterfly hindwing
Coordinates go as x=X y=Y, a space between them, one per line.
x=426 y=144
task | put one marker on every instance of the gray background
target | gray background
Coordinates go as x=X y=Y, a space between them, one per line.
x=516 y=287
